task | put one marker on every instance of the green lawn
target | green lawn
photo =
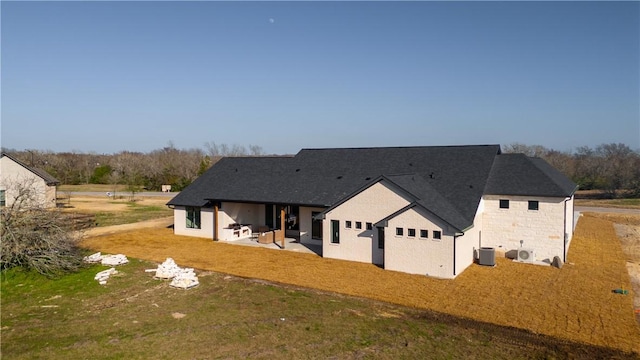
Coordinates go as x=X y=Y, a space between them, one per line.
x=135 y=213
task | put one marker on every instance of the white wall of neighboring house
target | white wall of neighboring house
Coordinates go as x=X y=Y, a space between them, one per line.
x=371 y=205
x=180 y=223
x=541 y=230
x=13 y=176
x=414 y=254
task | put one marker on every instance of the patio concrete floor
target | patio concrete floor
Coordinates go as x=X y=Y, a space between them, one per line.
x=290 y=244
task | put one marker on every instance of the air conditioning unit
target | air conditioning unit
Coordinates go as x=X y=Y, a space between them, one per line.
x=526 y=255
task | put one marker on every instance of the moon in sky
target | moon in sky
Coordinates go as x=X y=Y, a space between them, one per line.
x=272 y=20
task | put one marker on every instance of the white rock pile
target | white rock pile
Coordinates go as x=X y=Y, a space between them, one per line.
x=109 y=260
x=181 y=278
x=185 y=279
x=103 y=276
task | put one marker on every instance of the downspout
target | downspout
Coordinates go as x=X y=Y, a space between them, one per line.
x=564 y=232
x=215 y=222
x=455 y=236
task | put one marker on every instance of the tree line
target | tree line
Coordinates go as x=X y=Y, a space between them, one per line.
x=166 y=166
x=612 y=168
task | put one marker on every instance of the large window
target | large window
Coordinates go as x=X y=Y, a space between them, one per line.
x=193 y=217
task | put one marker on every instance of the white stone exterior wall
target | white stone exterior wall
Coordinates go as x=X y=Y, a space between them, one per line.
x=371 y=205
x=180 y=223
x=416 y=255
x=541 y=230
x=13 y=176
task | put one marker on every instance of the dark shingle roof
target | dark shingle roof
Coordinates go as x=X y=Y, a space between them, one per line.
x=322 y=177
x=49 y=180
x=518 y=174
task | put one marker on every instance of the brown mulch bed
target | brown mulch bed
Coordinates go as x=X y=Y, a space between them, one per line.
x=575 y=303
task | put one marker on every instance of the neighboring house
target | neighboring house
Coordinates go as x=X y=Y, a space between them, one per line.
x=29 y=185
x=420 y=210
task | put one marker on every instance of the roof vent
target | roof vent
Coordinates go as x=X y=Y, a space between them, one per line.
x=339 y=177
x=410 y=164
x=367 y=178
x=297 y=170
x=432 y=176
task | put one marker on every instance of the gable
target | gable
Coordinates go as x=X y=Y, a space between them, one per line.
x=19 y=166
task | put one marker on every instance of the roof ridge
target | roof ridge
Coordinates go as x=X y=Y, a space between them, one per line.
x=401 y=147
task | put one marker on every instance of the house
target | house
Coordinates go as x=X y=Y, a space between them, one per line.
x=29 y=185
x=421 y=210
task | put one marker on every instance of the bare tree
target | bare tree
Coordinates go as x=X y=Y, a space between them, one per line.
x=36 y=238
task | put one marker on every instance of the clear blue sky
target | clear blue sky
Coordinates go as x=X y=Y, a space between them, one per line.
x=111 y=76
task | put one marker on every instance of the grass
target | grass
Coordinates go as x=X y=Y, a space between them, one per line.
x=611 y=203
x=574 y=303
x=135 y=316
x=92 y=188
x=134 y=213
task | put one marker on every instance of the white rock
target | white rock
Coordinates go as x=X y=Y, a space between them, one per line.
x=113 y=260
x=93 y=258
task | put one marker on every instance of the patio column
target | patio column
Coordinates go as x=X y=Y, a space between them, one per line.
x=282 y=225
x=215 y=222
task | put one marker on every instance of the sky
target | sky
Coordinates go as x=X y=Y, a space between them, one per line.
x=106 y=77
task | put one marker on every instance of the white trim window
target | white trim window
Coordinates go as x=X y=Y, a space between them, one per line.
x=193 y=217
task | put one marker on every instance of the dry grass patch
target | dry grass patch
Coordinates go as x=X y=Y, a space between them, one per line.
x=574 y=303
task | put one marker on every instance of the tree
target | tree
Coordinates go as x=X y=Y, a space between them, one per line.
x=36 y=238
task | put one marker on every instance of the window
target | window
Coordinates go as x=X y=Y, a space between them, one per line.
x=380 y=238
x=193 y=217
x=437 y=235
x=3 y=200
x=347 y=224
x=369 y=226
x=533 y=205
x=335 y=231
x=424 y=234
x=504 y=204
x=411 y=232
x=399 y=231
x=358 y=224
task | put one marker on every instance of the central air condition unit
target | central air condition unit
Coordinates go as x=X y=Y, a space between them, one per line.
x=526 y=255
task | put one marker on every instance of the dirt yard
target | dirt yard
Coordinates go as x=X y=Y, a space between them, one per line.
x=576 y=302
x=94 y=204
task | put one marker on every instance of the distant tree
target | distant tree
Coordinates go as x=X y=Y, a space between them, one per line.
x=101 y=174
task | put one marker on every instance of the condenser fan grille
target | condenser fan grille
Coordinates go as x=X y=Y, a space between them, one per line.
x=523 y=255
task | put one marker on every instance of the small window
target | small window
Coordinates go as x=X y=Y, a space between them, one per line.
x=424 y=234
x=437 y=235
x=411 y=232
x=399 y=231
x=335 y=231
x=3 y=201
x=347 y=224
x=193 y=217
x=504 y=204
x=358 y=224
x=369 y=226
x=533 y=205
